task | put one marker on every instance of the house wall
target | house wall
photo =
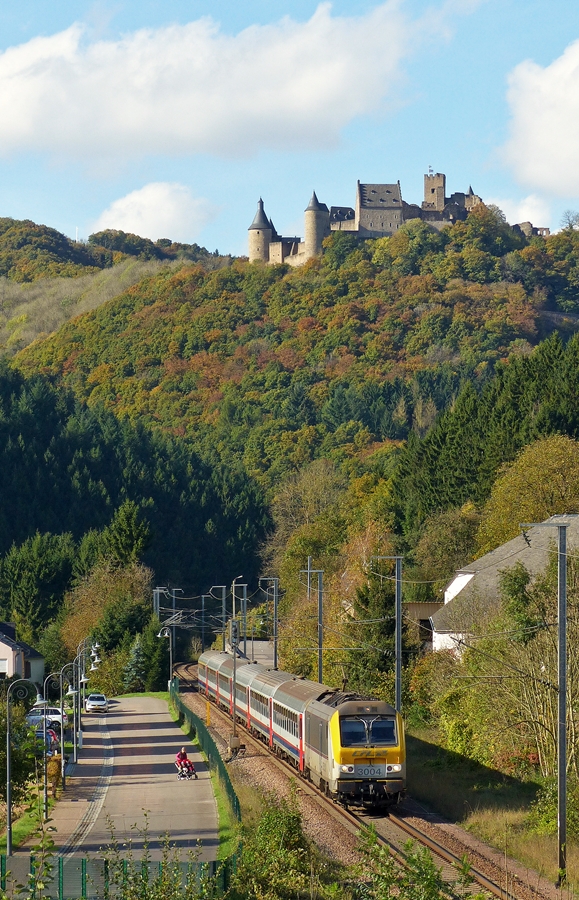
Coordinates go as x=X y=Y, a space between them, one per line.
x=11 y=661
x=446 y=641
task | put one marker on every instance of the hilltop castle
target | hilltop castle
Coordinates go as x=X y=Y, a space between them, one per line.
x=379 y=212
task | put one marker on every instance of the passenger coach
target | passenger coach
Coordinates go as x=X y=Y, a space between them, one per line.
x=350 y=746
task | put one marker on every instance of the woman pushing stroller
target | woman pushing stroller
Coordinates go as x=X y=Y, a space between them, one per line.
x=184 y=765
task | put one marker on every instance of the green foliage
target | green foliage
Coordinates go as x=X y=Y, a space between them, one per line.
x=122 y=619
x=381 y=878
x=374 y=611
x=459 y=459
x=67 y=468
x=447 y=542
x=143 y=248
x=542 y=817
x=29 y=251
x=23 y=746
x=543 y=480
x=273 y=368
x=135 y=670
x=51 y=645
x=278 y=861
x=126 y=538
x=33 y=579
x=155 y=655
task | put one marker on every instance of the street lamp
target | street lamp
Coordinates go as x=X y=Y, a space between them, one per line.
x=70 y=693
x=21 y=694
x=54 y=676
x=82 y=651
x=166 y=633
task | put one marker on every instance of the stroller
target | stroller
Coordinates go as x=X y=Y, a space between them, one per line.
x=185 y=769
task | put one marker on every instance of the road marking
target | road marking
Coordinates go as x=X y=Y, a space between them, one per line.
x=98 y=798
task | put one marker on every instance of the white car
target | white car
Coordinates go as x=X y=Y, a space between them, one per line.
x=96 y=703
x=52 y=713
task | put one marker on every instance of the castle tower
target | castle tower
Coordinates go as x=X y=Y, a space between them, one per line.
x=434 y=191
x=260 y=235
x=316 y=227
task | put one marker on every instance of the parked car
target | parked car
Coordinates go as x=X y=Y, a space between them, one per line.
x=96 y=703
x=52 y=713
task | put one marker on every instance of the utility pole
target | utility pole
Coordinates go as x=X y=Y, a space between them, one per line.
x=397 y=629
x=234 y=645
x=320 y=626
x=204 y=597
x=561 y=689
x=233 y=599
x=275 y=618
x=244 y=614
x=157 y=600
x=275 y=584
x=173 y=627
x=223 y=589
x=320 y=574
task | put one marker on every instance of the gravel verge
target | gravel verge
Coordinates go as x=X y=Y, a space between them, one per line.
x=258 y=771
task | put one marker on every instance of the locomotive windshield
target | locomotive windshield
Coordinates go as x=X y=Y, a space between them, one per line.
x=366 y=731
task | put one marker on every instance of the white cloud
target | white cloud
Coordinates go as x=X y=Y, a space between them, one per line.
x=158 y=210
x=530 y=209
x=193 y=88
x=543 y=148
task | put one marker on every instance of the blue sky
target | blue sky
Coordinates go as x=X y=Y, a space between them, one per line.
x=172 y=118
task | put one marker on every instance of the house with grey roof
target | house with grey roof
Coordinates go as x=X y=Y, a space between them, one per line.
x=17 y=658
x=473 y=596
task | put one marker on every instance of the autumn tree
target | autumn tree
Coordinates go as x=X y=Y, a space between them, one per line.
x=541 y=482
x=447 y=542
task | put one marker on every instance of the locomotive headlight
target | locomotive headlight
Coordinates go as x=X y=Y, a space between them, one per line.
x=394 y=768
x=348 y=769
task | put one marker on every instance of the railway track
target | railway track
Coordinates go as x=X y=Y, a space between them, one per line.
x=392 y=830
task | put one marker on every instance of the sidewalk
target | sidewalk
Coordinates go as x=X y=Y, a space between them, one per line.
x=82 y=779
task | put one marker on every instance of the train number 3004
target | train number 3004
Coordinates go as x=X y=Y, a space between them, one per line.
x=370 y=771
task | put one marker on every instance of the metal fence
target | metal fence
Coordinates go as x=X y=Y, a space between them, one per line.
x=197 y=728
x=95 y=879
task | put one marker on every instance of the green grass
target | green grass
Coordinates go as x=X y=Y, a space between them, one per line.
x=457 y=787
x=490 y=805
x=160 y=695
x=26 y=824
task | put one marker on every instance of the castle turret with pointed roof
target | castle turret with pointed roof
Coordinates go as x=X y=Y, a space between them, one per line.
x=379 y=212
x=316 y=226
x=260 y=235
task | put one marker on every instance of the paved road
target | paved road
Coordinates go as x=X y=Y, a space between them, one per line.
x=126 y=774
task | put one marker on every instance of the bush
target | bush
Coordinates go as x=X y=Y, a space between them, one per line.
x=542 y=818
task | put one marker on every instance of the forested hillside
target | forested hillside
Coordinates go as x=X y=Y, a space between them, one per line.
x=342 y=388
x=29 y=251
x=276 y=367
x=393 y=396
x=65 y=470
x=47 y=279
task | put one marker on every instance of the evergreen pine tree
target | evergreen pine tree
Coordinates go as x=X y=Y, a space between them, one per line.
x=135 y=672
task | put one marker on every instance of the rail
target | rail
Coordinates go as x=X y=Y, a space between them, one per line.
x=359 y=821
